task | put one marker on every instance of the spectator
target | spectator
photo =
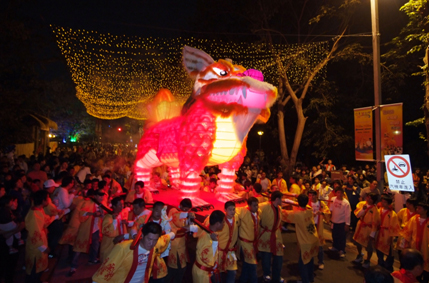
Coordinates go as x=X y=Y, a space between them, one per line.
x=64 y=194
x=36 y=173
x=340 y=211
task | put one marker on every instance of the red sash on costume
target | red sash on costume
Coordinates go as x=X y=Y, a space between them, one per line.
x=420 y=230
x=134 y=266
x=362 y=223
x=382 y=228
x=273 y=230
x=227 y=249
x=255 y=232
x=209 y=270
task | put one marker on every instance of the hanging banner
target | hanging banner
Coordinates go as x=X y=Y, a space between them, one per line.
x=363 y=134
x=391 y=129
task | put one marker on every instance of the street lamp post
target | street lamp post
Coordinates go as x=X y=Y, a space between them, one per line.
x=377 y=88
x=260 y=133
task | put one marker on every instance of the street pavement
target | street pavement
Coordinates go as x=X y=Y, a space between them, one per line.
x=337 y=270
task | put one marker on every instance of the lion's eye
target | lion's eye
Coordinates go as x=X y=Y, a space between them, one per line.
x=220 y=72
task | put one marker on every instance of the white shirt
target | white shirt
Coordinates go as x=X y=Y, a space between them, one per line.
x=316 y=207
x=61 y=198
x=340 y=211
x=81 y=175
x=165 y=225
x=142 y=259
x=264 y=184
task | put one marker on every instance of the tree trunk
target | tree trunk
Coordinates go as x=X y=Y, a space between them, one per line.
x=298 y=135
x=282 y=138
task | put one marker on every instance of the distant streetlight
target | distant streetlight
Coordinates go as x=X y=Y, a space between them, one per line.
x=260 y=133
x=377 y=88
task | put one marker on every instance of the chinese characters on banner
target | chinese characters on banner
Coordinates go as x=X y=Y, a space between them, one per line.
x=363 y=134
x=391 y=129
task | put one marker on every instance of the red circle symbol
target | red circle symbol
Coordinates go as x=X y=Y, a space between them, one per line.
x=397 y=167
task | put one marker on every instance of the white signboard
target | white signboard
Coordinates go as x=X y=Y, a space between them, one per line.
x=399 y=174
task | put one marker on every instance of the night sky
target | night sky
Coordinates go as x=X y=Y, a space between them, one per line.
x=169 y=19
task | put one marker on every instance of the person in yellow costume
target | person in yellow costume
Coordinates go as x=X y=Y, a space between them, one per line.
x=389 y=228
x=248 y=235
x=88 y=235
x=113 y=225
x=133 y=264
x=36 y=247
x=367 y=226
x=228 y=244
x=205 y=269
x=416 y=236
x=159 y=215
x=307 y=236
x=279 y=184
x=294 y=187
x=141 y=215
x=70 y=233
x=257 y=193
x=178 y=257
x=404 y=215
x=270 y=244
x=320 y=212
x=138 y=192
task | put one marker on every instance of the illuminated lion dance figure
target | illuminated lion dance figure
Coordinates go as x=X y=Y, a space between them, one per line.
x=212 y=127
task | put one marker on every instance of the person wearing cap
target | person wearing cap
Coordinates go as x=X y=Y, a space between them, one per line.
x=320 y=212
x=88 y=236
x=416 y=236
x=113 y=225
x=129 y=263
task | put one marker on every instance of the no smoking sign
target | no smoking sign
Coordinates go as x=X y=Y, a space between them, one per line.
x=398 y=168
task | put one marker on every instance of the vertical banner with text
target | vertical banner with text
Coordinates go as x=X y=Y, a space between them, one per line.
x=391 y=129
x=363 y=134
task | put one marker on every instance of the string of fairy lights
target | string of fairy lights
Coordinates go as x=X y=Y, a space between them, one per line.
x=117 y=75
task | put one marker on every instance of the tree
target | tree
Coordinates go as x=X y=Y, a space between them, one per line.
x=307 y=22
x=408 y=51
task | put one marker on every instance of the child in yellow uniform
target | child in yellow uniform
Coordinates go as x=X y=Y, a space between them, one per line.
x=369 y=220
x=389 y=228
x=416 y=236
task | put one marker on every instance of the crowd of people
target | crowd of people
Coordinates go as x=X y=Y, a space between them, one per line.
x=87 y=199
